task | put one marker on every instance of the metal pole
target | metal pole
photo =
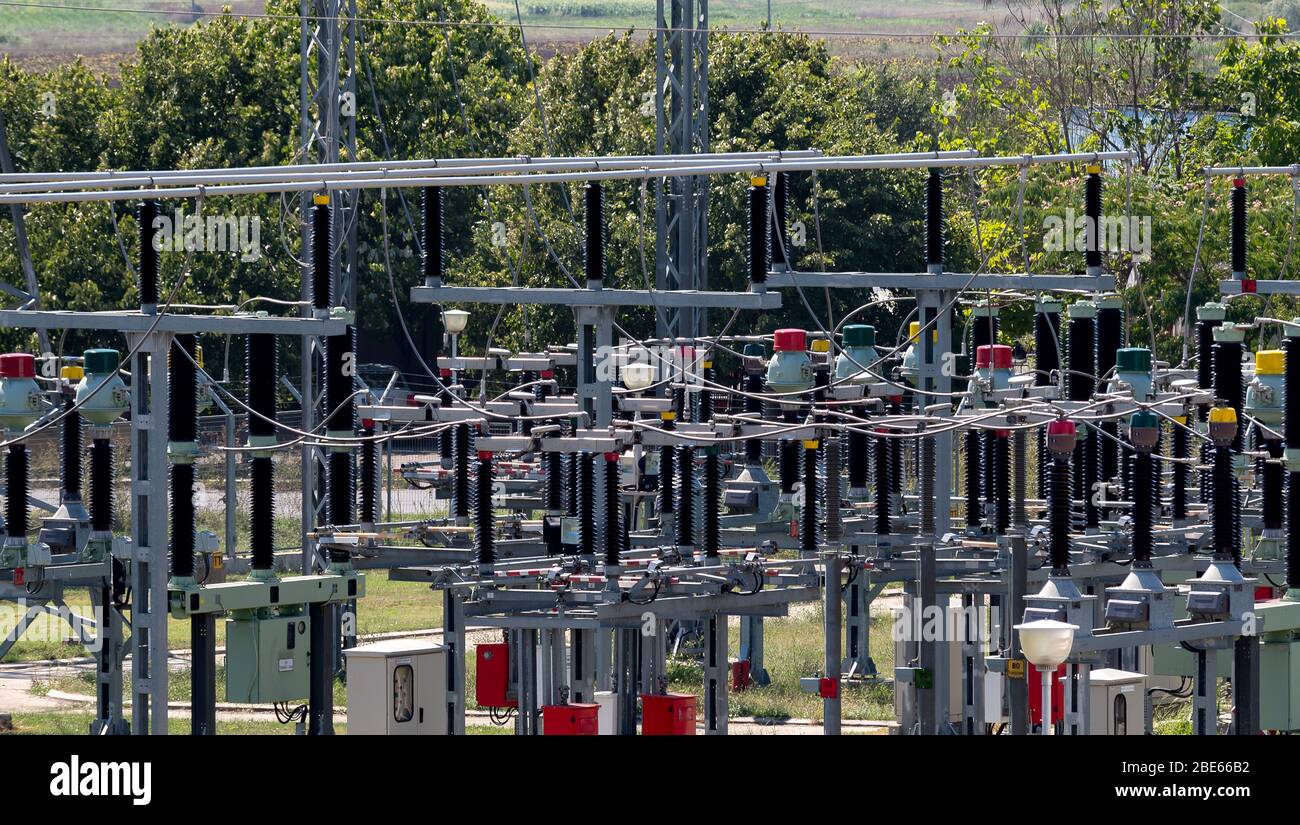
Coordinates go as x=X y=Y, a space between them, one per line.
x=831 y=628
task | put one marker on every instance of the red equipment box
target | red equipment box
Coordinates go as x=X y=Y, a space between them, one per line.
x=667 y=714
x=492 y=676
x=570 y=720
x=1036 y=695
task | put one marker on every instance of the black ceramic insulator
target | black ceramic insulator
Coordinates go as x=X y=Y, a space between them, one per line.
x=1091 y=474
x=789 y=465
x=1058 y=515
x=896 y=457
x=322 y=257
x=182 y=520
x=1205 y=353
x=483 y=547
x=1143 y=507
x=460 y=484
x=704 y=398
x=101 y=485
x=1092 y=210
x=446 y=448
x=1223 y=504
x=369 y=478
x=934 y=218
x=595 y=236
x=342 y=488
x=1292 y=533
x=70 y=464
x=974 y=455
x=1002 y=482
x=983 y=331
x=989 y=467
x=1181 y=471
x=811 y=495
x=571 y=484
x=613 y=513
x=1291 y=420
x=262 y=513
x=1126 y=471
x=883 y=526
x=182 y=398
x=1227 y=382
x=667 y=478
x=781 y=251
x=340 y=361
x=147 y=272
x=754 y=407
x=554 y=481
x=760 y=238
x=587 y=502
x=1110 y=337
x=16 y=490
x=712 y=497
x=433 y=237
x=1274 y=487
x=1082 y=351
x=262 y=374
x=686 y=497
x=1239 y=228
x=858 y=461
x=1047 y=335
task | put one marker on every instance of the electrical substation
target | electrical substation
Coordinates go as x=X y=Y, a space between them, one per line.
x=1070 y=534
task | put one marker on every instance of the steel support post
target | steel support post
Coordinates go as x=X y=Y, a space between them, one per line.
x=582 y=665
x=751 y=649
x=1018 y=688
x=453 y=638
x=831 y=630
x=109 y=716
x=972 y=658
x=557 y=669
x=203 y=678
x=857 y=627
x=320 y=662
x=654 y=655
x=628 y=655
x=934 y=378
x=928 y=705
x=1245 y=686
x=715 y=675
x=1205 y=704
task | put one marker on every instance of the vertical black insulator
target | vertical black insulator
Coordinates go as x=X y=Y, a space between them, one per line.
x=182 y=397
x=147 y=272
x=613 y=511
x=1292 y=534
x=433 y=236
x=1181 y=446
x=1291 y=394
x=182 y=520
x=322 y=257
x=460 y=481
x=1081 y=348
x=1126 y=471
x=781 y=252
x=369 y=477
x=883 y=485
x=896 y=457
x=934 y=218
x=342 y=488
x=101 y=485
x=483 y=547
x=1110 y=337
x=16 y=491
x=262 y=513
x=1143 y=508
x=554 y=481
x=595 y=237
x=70 y=464
x=262 y=374
x=1274 y=486
x=789 y=465
x=587 y=502
x=1092 y=211
x=858 y=461
x=571 y=484
x=686 y=497
x=712 y=498
x=1239 y=226
x=1058 y=515
x=1002 y=481
x=1047 y=335
x=1228 y=386
x=667 y=476
x=974 y=455
x=1205 y=353
x=754 y=407
x=704 y=397
x=1223 y=505
x=760 y=237
x=1091 y=474
x=340 y=403
x=811 y=497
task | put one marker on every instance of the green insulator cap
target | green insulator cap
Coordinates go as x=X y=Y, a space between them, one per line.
x=753 y=350
x=859 y=335
x=1144 y=419
x=1083 y=309
x=1133 y=359
x=1212 y=311
x=101 y=361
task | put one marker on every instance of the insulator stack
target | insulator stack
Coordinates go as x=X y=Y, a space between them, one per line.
x=789 y=465
x=704 y=397
x=1274 y=475
x=1110 y=338
x=686 y=497
x=595 y=235
x=1224 y=504
x=1292 y=534
x=1091 y=473
x=1092 y=211
x=182 y=520
x=483 y=544
x=832 y=452
x=1047 y=355
x=1020 y=470
x=1228 y=386
x=554 y=464
x=369 y=513
x=934 y=220
x=433 y=235
x=926 y=481
x=182 y=432
x=858 y=444
x=1143 y=508
x=613 y=512
x=101 y=485
x=147 y=271
x=974 y=455
x=182 y=398
x=1181 y=449
x=322 y=255
x=1126 y=471
x=571 y=471
x=1239 y=228
x=460 y=478
x=340 y=403
x=262 y=513
x=761 y=252
x=261 y=366
x=781 y=252
x=667 y=472
x=1291 y=432
x=896 y=458
x=712 y=500
x=811 y=496
x=883 y=486
x=1058 y=515
x=17 y=488
x=1002 y=481
x=70 y=459
x=1080 y=385
x=342 y=488
x=754 y=407
x=587 y=502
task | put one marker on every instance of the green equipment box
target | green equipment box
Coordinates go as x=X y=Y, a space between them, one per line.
x=266 y=658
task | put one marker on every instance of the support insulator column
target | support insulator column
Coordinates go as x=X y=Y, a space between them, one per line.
x=686 y=498
x=484 y=550
x=811 y=496
x=147 y=271
x=762 y=250
x=1239 y=229
x=883 y=485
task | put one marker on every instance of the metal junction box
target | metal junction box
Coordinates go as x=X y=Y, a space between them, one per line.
x=266 y=658
x=397 y=686
x=1117 y=703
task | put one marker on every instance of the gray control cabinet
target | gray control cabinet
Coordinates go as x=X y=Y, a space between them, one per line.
x=397 y=687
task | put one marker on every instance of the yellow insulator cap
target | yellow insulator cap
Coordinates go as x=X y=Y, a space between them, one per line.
x=821 y=345
x=914 y=330
x=1270 y=362
x=708 y=365
x=811 y=444
x=72 y=372
x=1094 y=169
x=758 y=180
x=667 y=415
x=198 y=355
x=1180 y=419
x=1223 y=415
x=320 y=199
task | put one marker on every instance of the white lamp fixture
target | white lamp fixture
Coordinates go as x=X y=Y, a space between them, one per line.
x=1046 y=643
x=638 y=376
x=455 y=320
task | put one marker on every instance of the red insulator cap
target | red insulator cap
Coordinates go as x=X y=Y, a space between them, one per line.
x=17 y=365
x=484 y=455
x=611 y=456
x=1238 y=183
x=1001 y=356
x=1061 y=426
x=444 y=372
x=789 y=340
